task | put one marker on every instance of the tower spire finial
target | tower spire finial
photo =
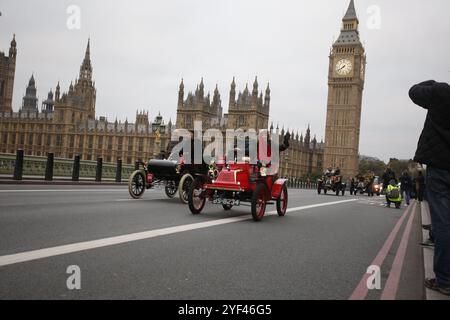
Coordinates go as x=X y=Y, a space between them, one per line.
x=88 y=48
x=351 y=12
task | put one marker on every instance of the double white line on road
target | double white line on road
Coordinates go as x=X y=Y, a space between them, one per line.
x=94 y=244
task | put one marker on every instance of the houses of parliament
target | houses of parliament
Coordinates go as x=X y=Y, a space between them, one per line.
x=66 y=123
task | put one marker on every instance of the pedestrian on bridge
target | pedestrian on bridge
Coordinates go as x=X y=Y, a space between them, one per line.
x=434 y=151
x=406 y=186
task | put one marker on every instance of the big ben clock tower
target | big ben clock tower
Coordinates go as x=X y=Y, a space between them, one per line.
x=345 y=89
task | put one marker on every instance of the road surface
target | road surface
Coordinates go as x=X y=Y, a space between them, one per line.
x=153 y=248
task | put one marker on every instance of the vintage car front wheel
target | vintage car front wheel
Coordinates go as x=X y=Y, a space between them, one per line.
x=259 y=202
x=136 y=184
x=196 y=201
x=171 y=189
x=185 y=184
x=282 y=201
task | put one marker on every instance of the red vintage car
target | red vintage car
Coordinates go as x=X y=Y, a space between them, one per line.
x=238 y=183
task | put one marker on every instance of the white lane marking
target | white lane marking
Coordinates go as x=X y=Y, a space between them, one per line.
x=94 y=244
x=63 y=190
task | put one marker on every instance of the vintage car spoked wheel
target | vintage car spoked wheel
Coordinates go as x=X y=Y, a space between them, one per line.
x=171 y=189
x=282 y=201
x=259 y=202
x=136 y=185
x=185 y=184
x=196 y=200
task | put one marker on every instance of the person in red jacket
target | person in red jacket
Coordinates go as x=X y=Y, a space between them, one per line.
x=434 y=151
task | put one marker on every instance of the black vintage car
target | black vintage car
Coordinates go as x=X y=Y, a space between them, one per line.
x=333 y=183
x=174 y=174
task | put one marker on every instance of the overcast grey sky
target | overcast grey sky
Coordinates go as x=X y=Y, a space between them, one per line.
x=141 y=49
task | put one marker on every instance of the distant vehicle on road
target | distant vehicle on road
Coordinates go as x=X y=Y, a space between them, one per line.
x=331 y=183
x=377 y=186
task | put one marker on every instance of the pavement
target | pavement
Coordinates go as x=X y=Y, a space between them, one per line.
x=153 y=248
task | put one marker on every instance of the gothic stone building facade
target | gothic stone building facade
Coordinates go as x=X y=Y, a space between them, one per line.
x=66 y=124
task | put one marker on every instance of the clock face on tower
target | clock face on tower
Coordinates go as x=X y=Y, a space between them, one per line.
x=344 y=67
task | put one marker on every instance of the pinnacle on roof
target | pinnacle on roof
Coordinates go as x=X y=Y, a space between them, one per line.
x=351 y=12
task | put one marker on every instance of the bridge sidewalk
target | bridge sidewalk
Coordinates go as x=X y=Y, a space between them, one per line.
x=428 y=254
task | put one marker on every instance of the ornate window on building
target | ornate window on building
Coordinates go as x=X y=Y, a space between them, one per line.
x=120 y=144
x=130 y=144
x=241 y=120
x=188 y=121
x=59 y=140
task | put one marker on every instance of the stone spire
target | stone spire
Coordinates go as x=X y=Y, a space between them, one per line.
x=86 y=66
x=246 y=91
x=48 y=104
x=216 y=97
x=232 y=101
x=57 y=92
x=351 y=12
x=30 y=100
x=202 y=89
x=255 y=87
x=13 y=47
x=350 y=24
x=267 y=97
x=181 y=93
x=308 y=136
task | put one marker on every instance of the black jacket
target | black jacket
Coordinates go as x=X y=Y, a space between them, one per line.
x=388 y=175
x=434 y=143
x=406 y=182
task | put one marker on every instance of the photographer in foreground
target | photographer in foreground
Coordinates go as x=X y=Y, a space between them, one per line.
x=434 y=151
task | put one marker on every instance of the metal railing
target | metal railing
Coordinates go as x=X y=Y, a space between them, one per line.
x=300 y=184
x=20 y=165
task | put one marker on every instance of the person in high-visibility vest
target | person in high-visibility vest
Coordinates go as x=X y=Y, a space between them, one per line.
x=393 y=195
